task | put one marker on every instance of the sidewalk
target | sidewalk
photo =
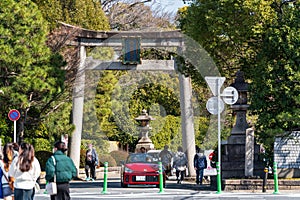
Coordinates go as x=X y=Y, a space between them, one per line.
x=286 y=186
x=113 y=172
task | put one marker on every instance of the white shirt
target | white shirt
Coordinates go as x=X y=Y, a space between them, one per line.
x=25 y=180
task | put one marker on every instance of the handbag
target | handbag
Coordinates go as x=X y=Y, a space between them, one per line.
x=210 y=172
x=51 y=187
x=37 y=187
x=10 y=182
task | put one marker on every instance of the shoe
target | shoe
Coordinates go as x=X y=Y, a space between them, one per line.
x=92 y=179
x=87 y=179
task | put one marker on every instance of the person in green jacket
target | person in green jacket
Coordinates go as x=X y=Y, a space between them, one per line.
x=63 y=168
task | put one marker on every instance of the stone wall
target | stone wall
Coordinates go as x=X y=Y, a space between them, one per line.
x=257 y=184
x=287 y=155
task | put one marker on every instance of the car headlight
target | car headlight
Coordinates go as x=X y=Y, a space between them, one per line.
x=126 y=169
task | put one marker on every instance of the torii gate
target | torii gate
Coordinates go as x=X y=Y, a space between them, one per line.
x=88 y=38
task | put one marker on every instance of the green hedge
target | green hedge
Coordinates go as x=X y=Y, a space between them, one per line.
x=107 y=158
x=43 y=156
x=119 y=156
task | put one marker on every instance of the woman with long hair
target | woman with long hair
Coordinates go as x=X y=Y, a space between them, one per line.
x=25 y=170
x=8 y=155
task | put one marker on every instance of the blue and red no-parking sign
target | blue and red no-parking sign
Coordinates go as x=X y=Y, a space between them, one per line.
x=14 y=115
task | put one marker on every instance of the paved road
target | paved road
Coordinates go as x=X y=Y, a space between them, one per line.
x=186 y=191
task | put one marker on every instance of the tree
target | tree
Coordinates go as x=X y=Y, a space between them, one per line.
x=262 y=39
x=135 y=15
x=275 y=75
x=226 y=28
x=84 y=13
x=30 y=73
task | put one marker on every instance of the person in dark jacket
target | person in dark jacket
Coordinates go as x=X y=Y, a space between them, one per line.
x=64 y=169
x=200 y=163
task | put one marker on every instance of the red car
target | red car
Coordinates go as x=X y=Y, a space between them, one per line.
x=140 y=169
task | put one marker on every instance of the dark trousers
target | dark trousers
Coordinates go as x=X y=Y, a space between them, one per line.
x=181 y=174
x=90 y=168
x=22 y=194
x=199 y=176
x=63 y=192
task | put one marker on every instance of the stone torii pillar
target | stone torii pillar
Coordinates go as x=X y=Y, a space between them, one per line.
x=86 y=38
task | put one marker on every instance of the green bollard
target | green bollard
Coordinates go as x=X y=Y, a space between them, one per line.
x=161 y=178
x=275 y=178
x=104 y=191
x=45 y=192
x=219 y=186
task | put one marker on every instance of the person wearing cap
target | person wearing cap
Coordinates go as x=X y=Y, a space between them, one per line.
x=63 y=168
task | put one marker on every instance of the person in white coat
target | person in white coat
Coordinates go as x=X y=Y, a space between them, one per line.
x=8 y=156
x=24 y=171
x=180 y=163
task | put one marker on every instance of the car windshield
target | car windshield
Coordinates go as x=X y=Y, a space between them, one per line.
x=140 y=158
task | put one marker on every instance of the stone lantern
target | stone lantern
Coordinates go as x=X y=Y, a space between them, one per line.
x=240 y=107
x=240 y=155
x=144 y=128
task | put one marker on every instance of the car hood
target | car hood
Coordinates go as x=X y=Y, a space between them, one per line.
x=142 y=167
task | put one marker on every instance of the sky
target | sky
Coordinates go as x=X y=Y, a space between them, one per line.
x=169 y=5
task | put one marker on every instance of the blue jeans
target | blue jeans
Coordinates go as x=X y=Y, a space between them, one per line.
x=199 y=176
x=22 y=194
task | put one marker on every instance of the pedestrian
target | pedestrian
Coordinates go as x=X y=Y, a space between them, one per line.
x=8 y=155
x=143 y=150
x=24 y=171
x=180 y=163
x=200 y=163
x=16 y=149
x=63 y=168
x=91 y=161
x=166 y=158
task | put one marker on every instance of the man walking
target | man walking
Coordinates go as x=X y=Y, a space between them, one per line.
x=200 y=163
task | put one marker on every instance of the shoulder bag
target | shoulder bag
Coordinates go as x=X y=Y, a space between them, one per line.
x=51 y=186
x=10 y=182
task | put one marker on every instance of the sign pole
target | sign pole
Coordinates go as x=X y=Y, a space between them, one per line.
x=230 y=96
x=15 y=131
x=219 y=137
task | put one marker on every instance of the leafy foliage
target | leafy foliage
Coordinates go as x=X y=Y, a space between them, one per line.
x=30 y=77
x=42 y=157
x=277 y=66
x=119 y=156
x=107 y=158
x=262 y=39
x=85 y=13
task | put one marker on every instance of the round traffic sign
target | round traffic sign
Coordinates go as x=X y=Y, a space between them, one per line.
x=212 y=105
x=14 y=115
x=230 y=95
x=211 y=155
